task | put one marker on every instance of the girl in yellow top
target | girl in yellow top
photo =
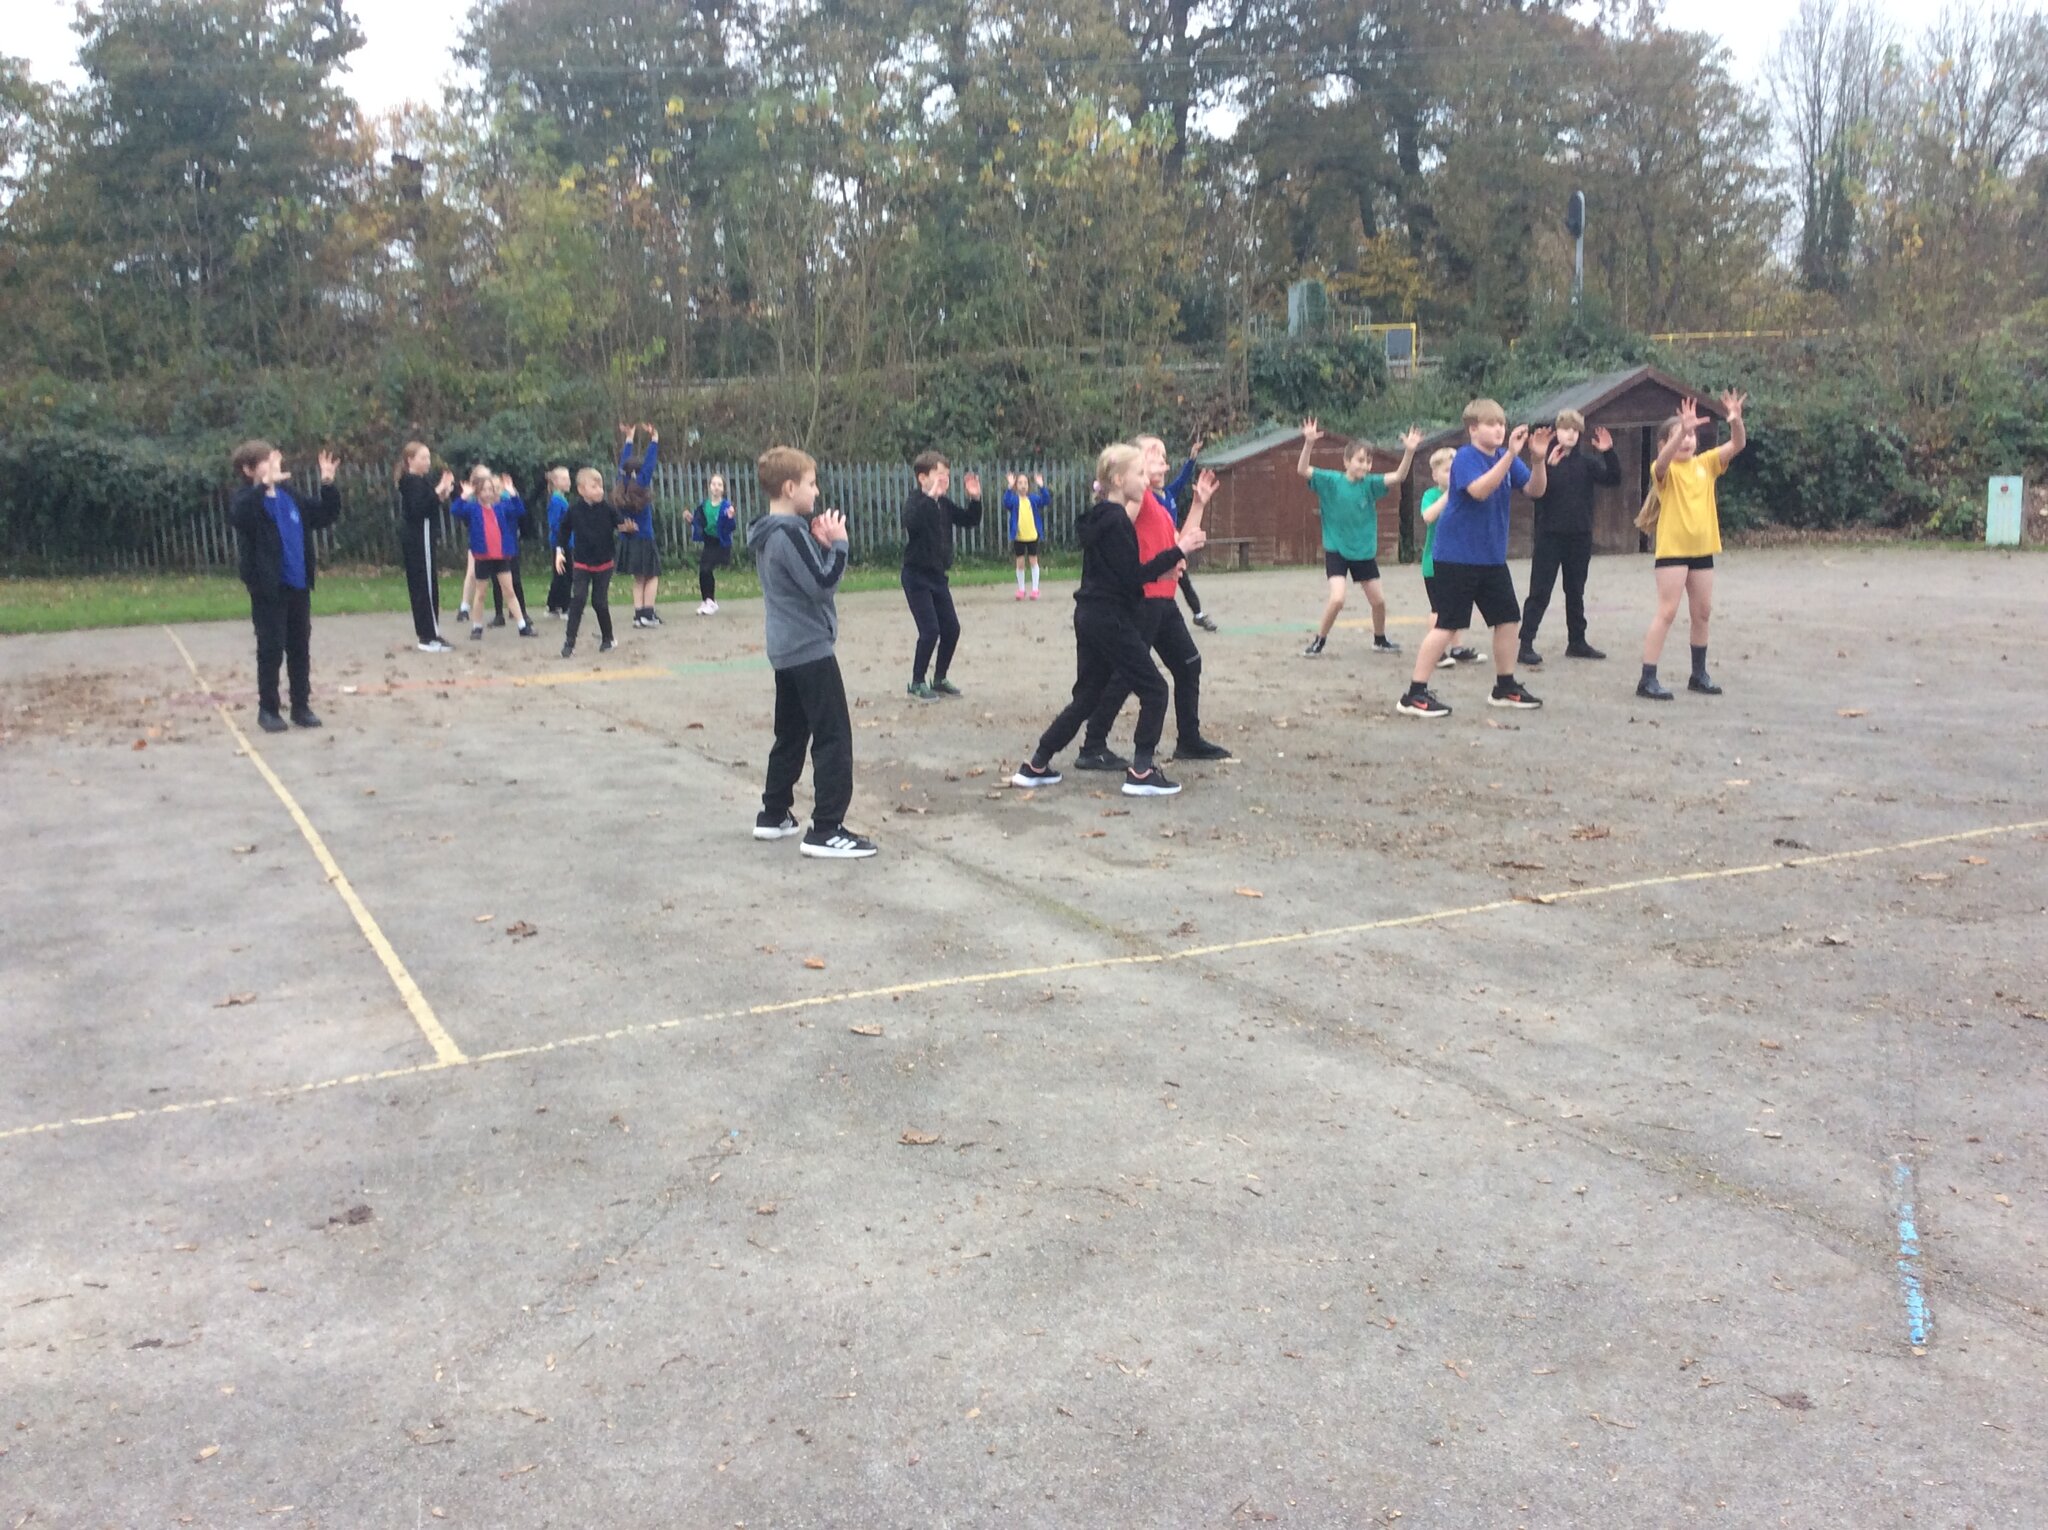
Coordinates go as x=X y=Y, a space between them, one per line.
x=1688 y=535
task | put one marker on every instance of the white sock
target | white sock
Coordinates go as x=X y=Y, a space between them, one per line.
x=1034 y=576
x=1020 y=579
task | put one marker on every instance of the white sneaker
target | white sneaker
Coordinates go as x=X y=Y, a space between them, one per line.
x=437 y=646
x=703 y=608
x=710 y=608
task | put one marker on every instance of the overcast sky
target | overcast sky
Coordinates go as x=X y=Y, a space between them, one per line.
x=406 y=56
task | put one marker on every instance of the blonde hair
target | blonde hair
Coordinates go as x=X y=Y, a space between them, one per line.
x=589 y=475
x=405 y=455
x=558 y=475
x=1115 y=460
x=1484 y=411
x=1571 y=419
x=1668 y=429
x=781 y=465
x=1441 y=458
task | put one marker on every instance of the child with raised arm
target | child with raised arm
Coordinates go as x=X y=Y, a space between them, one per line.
x=1347 y=504
x=421 y=499
x=1688 y=521
x=519 y=524
x=1025 y=501
x=1176 y=497
x=1431 y=510
x=493 y=538
x=1564 y=534
x=558 y=506
x=275 y=539
x=1471 y=554
x=586 y=552
x=800 y=558
x=640 y=552
x=711 y=526
x=929 y=518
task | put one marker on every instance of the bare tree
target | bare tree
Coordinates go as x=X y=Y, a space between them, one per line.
x=1827 y=83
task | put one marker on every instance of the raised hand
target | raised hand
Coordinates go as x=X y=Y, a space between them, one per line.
x=446 y=486
x=1602 y=440
x=1689 y=414
x=1557 y=453
x=1205 y=486
x=1412 y=439
x=329 y=466
x=972 y=483
x=1195 y=446
x=1311 y=432
x=1732 y=402
x=652 y=433
x=1517 y=439
x=1038 y=480
x=828 y=526
x=1192 y=539
x=625 y=432
x=1540 y=439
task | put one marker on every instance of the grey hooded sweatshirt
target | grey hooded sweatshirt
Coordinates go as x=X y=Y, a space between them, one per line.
x=798 y=579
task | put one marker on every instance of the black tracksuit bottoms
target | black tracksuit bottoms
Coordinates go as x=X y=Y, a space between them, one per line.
x=938 y=625
x=284 y=636
x=1110 y=652
x=594 y=586
x=1571 y=553
x=1160 y=624
x=422 y=583
x=811 y=713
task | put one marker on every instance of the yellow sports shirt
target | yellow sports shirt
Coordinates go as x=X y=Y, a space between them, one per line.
x=1027 y=519
x=1688 y=521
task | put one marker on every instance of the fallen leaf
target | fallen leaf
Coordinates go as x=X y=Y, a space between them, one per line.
x=208 y=1453
x=1249 y=892
x=521 y=930
x=1591 y=831
x=1850 y=712
x=245 y=849
x=518 y=1471
x=1772 y=1046
x=1975 y=860
x=235 y=999
x=257 y=1285
x=355 y=1216
x=2003 y=1200
x=815 y=963
x=1094 y=833
x=870 y=1029
x=1519 y=865
x=1834 y=940
x=141 y=743
x=765 y=1209
x=438 y=1513
x=350 y=690
x=485 y=918
x=1930 y=876
x=1735 y=783
x=977 y=770
x=914 y=1138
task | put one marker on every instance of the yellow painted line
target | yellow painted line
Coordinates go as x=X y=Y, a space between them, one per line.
x=1051 y=969
x=446 y=1052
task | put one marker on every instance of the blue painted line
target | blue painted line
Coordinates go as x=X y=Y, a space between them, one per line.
x=1919 y=1321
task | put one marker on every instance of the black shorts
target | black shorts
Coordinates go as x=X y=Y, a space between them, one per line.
x=1024 y=549
x=1429 y=589
x=1706 y=562
x=491 y=568
x=1336 y=566
x=1461 y=586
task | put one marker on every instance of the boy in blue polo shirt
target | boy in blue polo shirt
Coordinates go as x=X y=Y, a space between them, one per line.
x=1472 y=553
x=278 y=568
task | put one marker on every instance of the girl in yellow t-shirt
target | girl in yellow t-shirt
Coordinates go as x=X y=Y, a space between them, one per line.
x=1688 y=535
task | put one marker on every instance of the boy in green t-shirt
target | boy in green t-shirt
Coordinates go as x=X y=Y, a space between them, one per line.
x=1430 y=509
x=1347 y=503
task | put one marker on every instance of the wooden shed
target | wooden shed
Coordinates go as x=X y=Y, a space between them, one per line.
x=1264 y=511
x=1631 y=404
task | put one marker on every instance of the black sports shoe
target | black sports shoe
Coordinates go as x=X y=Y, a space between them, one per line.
x=1465 y=655
x=768 y=826
x=1029 y=774
x=476 y=634
x=1650 y=688
x=1149 y=783
x=1315 y=647
x=302 y=717
x=1100 y=759
x=568 y=650
x=527 y=629
x=945 y=687
x=1205 y=621
x=1425 y=705
x=653 y=617
x=837 y=844
x=498 y=620
x=1703 y=686
x=1529 y=656
x=1579 y=648
x=1381 y=643
x=1512 y=693
x=269 y=721
x=606 y=646
x=1201 y=749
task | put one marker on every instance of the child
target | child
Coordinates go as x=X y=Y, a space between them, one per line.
x=492 y=537
x=1347 y=504
x=1174 y=495
x=928 y=521
x=558 y=506
x=1431 y=511
x=800 y=558
x=1471 y=553
x=276 y=541
x=1564 y=534
x=1688 y=522
x=479 y=475
x=1025 y=504
x=420 y=503
x=1159 y=624
x=586 y=540
x=640 y=554
x=518 y=524
x=1108 y=646
x=712 y=526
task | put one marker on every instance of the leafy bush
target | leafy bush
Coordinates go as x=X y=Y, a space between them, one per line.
x=82 y=498
x=1292 y=378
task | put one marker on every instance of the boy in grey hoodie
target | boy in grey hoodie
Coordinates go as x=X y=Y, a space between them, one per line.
x=799 y=558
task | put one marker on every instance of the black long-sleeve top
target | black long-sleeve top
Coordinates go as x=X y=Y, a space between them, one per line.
x=1566 y=508
x=928 y=531
x=261 y=544
x=1111 y=572
x=418 y=504
x=589 y=532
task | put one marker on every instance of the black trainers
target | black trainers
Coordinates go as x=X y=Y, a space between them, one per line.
x=1201 y=749
x=498 y=620
x=568 y=650
x=1205 y=621
x=946 y=687
x=1315 y=647
x=1512 y=693
x=1579 y=648
x=1464 y=655
x=476 y=634
x=1529 y=656
x=768 y=826
x=653 y=617
x=1149 y=783
x=527 y=629
x=1029 y=775
x=1650 y=688
x=606 y=646
x=1424 y=705
x=269 y=721
x=1448 y=661
x=302 y=717
x=1703 y=685
x=838 y=843
x=1100 y=759
x=1381 y=643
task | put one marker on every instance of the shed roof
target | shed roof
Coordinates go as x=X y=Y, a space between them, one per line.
x=1586 y=396
x=1235 y=449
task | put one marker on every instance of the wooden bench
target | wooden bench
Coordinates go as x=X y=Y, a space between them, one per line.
x=1230 y=552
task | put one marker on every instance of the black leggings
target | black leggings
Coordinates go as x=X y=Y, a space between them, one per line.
x=938 y=624
x=1159 y=623
x=1553 y=554
x=597 y=589
x=1187 y=588
x=518 y=592
x=1109 y=651
x=707 y=582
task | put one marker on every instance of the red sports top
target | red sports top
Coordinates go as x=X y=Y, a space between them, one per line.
x=1155 y=534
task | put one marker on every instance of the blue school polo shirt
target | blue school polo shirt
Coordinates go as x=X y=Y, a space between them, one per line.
x=1476 y=530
